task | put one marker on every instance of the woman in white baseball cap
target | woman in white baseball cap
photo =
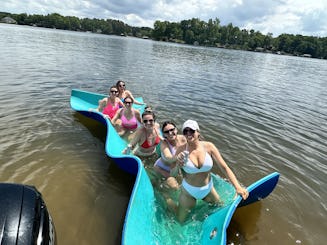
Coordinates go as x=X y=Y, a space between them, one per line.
x=196 y=158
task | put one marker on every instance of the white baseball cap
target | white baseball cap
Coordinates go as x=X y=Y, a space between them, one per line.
x=191 y=124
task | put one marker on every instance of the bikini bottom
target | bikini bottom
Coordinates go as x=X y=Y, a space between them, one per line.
x=138 y=152
x=198 y=192
x=159 y=163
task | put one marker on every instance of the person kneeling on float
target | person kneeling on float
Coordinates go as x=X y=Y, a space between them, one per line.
x=196 y=159
x=172 y=140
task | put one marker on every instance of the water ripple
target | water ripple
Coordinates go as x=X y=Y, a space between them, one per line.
x=264 y=112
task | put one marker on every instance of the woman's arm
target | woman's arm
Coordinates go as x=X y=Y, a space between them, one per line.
x=134 y=141
x=179 y=162
x=136 y=137
x=116 y=116
x=165 y=151
x=212 y=150
x=138 y=115
x=127 y=92
x=102 y=104
x=157 y=129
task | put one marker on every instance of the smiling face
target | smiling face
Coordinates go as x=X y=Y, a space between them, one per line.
x=113 y=92
x=190 y=134
x=128 y=102
x=148 y=121
x=121 y=86
x=170 y=131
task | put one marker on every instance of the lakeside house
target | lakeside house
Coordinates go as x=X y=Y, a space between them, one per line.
x=8 y=20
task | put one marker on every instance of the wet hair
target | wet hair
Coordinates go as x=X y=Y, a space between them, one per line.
x=128 y=97
x=145 y=113
x=165 y=123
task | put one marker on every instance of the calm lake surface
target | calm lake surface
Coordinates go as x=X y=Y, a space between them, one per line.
x=264 y=112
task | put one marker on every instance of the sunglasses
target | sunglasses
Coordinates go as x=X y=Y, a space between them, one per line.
x=114 y=91
x=150 y=121
x=169 y=131
x=188 y=130
x=122 y=85
x=128 y=102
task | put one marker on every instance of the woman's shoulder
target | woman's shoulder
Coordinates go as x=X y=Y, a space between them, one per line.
x=157 y=125
x=164 y=143
x=127 y=93
x=105 y=99
x=136 y=111
x=209 y=146
x=206 y=142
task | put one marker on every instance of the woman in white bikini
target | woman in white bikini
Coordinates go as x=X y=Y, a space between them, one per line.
x=197 y=182
x=168 y=147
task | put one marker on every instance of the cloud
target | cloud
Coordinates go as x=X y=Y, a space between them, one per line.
x=314 y=22
x=276 y=16
x=125 y=7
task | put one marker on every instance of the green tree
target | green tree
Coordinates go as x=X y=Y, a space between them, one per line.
x=74 y=23
x=189 y=37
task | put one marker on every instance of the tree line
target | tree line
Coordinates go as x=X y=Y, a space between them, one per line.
x=211 y=33
x=193 y=31
x=54 y=20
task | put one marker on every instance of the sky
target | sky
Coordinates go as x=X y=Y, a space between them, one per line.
x=304 y=17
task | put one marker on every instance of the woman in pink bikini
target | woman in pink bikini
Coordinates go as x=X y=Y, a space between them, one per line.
x=110 y=105
x=196 y=159
x=129 y=118
x=147 y=137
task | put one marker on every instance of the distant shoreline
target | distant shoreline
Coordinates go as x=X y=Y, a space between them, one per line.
x=192 y=32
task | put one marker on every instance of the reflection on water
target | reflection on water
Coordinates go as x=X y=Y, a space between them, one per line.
x=264 y=112
x=244 y=225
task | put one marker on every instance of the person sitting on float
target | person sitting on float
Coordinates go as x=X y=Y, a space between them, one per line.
x=123 y=92
x=172 y=140
x=127 y=118
x=111 y=104
x=147 y=137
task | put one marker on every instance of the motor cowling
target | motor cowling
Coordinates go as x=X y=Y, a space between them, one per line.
x=24 y=217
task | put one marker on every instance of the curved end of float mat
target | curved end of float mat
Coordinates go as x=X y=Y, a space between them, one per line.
x=215 y=226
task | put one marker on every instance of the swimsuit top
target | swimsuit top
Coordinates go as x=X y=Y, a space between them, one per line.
x=171 y=148
x=122 y=100
x=147 y=145
x=110 y=109
x=190 y=168
x=128 y=123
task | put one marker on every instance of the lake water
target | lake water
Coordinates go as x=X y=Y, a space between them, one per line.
x=264 y=112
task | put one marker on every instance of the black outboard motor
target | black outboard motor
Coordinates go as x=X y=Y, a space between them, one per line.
x=24 y=218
